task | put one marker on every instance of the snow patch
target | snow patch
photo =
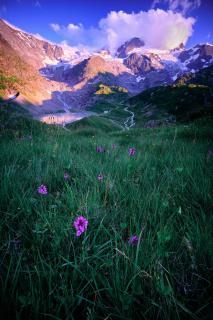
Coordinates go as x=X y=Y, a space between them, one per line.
x=175 y=77
x=139 y=78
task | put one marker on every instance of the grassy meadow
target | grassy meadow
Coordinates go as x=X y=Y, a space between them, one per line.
x=163 y=194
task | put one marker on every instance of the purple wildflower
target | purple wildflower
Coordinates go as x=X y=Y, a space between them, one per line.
x=100 y=149
x=132 y=151
x=80 y=225
x=100 y=177
x=210 y=153
x=113 y=146
x=66 y=176
x=133 y=240
x=42 y=189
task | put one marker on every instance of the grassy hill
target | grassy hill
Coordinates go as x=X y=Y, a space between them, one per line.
x=162 y=194
x=191 y=97
x=185 y=102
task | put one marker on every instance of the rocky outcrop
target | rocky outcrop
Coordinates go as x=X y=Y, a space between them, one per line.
x=141 y=64
x=128 y=46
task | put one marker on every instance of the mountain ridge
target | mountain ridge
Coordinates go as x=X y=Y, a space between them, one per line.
x=66 y=76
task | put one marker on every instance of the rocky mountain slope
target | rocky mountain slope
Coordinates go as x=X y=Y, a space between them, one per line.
x=33 y=50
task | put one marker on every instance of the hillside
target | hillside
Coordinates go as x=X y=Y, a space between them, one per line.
x=202 y=77
x=16 y=74
x=189 y=98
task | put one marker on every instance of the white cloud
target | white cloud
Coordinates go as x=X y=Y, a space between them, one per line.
x=55 y=27
x=158 y=28
x=183 y=6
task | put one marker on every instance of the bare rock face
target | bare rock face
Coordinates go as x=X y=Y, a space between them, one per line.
x=52 y=51
x=33 y=50
x=141 y=64
x=128 y=46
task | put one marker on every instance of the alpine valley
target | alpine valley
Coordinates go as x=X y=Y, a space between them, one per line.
x=62 y=79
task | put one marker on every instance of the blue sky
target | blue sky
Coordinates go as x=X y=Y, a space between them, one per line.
x=84 y=18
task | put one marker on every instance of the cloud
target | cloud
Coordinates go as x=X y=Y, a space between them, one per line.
x=183 y=6
x=37 y=4
x=158 y=28
x=55 y=27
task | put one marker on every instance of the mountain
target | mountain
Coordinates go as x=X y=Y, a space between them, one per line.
x=33 y=50
x=128 y=46
x=92 y=67
x=60 y=77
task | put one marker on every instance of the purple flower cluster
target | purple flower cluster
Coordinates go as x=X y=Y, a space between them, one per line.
x=80 y=225
x=100 y=149
x=133 y=240
x=100 y=177
x=132 y=151
x=42 y=189
x=210 y=153
x=66 y=175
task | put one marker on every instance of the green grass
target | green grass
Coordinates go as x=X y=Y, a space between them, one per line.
x=7 y=82
x=163 y=194
x=115 y=109
x=94 y=125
